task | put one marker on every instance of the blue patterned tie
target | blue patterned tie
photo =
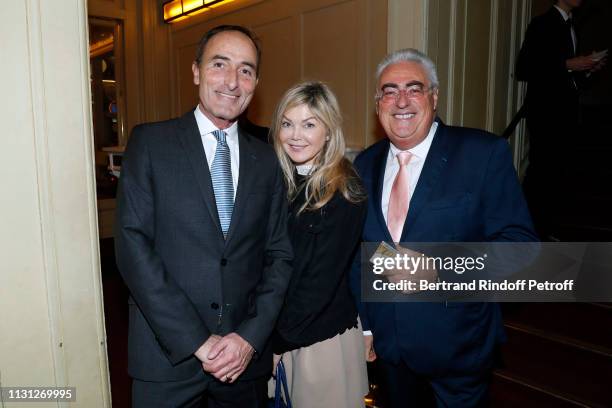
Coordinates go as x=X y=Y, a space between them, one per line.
x=221 y=174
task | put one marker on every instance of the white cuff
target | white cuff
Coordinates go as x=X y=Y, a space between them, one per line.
x=367 y=332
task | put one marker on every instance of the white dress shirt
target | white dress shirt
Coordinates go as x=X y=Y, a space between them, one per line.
x=415 y=166
x=209 y=141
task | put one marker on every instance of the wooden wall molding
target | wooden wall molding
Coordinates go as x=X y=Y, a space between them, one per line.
x=474 y=44
x=407 y=24
x=452 y=47
x=336 y=41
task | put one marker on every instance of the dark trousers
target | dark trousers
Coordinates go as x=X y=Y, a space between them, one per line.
x=201 y=390
x=403 y=388
x=550 y=159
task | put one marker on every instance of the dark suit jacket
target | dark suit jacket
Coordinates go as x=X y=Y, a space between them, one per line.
x=551 y=91
x=186 y=281
x=468 y=191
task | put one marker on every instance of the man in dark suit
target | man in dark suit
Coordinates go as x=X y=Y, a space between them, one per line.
x=428 y=182
x=201 y=241
x=554 y=72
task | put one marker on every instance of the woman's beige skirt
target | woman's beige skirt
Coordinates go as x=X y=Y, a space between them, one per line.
x=331 y=373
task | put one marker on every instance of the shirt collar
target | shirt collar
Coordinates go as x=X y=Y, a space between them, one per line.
x=304 y=169
x=420 y=150
x=565 y=15
x=205 y=126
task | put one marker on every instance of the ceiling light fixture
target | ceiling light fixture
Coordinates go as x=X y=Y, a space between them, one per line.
x=177 y=10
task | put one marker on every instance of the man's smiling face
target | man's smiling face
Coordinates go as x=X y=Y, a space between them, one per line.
x=407 y=117
x=226 y=77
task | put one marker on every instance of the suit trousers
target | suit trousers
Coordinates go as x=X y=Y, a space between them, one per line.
x=549 y=156
x=403 y=388
x=200 y=388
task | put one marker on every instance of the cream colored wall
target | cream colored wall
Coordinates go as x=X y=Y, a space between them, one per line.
x=340 y=41
x=408 y=21
x=459 y=44
x=336 y=41
x=505 y=95
x=52 y=319
x=474 y=44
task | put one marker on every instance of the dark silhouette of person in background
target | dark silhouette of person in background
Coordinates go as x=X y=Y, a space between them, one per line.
x=259 y=132
x=554 y=72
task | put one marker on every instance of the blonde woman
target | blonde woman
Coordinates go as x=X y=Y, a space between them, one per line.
x=317 y=333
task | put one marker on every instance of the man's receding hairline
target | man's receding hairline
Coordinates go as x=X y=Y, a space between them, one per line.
x=251 y=41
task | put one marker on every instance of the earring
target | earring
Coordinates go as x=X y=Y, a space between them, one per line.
x=327 y=138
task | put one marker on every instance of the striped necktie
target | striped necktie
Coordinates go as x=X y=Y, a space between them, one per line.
x=221 y=174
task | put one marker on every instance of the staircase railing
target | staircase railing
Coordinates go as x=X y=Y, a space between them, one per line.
x=522 y=112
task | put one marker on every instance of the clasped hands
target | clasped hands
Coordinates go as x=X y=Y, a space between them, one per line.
x=226 y=357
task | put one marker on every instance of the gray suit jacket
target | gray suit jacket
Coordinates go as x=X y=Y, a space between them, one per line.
x=186 y=281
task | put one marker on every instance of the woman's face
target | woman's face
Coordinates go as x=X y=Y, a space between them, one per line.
x=302 y=135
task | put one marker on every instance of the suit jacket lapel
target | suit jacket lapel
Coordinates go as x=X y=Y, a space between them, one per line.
x=378 y=178
x=435 y=162
x=190 y=137
x=246 y=179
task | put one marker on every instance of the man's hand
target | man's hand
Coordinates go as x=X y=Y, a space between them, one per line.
x=599 y=65
x=414 y=275
x=582 y=63
x=370 y=354
x=229 y=357
x=202 y=352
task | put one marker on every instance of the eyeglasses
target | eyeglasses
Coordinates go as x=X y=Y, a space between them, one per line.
x=392 y=94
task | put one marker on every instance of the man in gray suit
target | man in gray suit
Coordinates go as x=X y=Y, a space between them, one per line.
x=201 y=241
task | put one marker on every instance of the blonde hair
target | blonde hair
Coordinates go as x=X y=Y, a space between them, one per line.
x=331 y=171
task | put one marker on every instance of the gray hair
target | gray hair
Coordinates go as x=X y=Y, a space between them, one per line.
x=410 y=55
